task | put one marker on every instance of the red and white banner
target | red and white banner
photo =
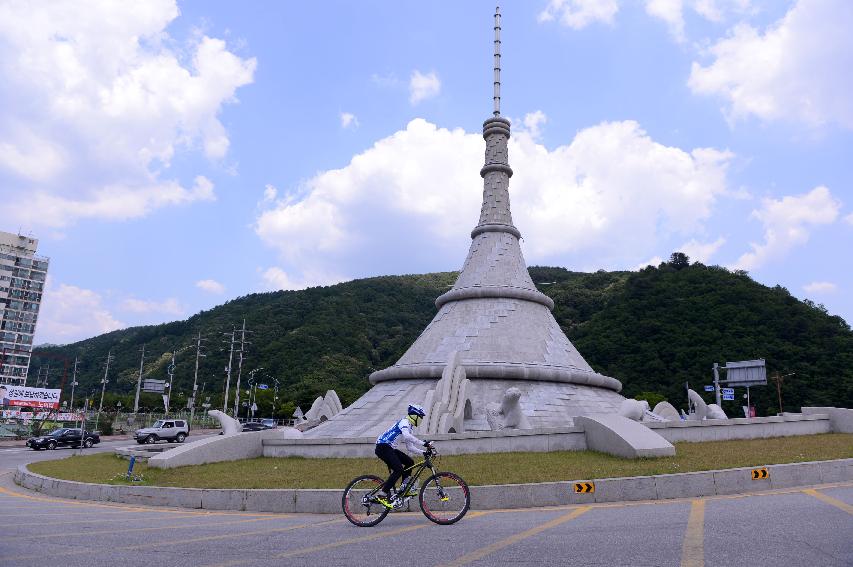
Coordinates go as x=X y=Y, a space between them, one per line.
x=22 y=396
x=28 y=415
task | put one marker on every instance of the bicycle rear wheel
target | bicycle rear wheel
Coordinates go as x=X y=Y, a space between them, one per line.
x=359 y=501
x=444 y=498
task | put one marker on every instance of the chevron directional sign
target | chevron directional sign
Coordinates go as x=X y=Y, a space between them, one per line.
x=581 y=487
x=760 y=474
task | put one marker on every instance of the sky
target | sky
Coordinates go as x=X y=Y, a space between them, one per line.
x=171 y=156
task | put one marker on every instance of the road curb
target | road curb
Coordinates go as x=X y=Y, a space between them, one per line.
x=320 y=501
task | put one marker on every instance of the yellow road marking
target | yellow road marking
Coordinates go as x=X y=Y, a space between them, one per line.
x=693 y=552
x=119 y=507
x=104 y=521
x=830 y=500
x=147 y=529
x=489 y=549
x=178 y=542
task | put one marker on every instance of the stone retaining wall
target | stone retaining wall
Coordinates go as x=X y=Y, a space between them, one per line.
x=659 y=487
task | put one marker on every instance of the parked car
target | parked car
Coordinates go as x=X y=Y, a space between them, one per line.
x=255 y=426
x=269 y=422
x=163 y=430
x=63 y=437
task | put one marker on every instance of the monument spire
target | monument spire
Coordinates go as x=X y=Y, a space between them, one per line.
x=497 y=95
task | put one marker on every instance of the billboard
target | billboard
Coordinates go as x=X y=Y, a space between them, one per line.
x=22 y=396
x=746 y=373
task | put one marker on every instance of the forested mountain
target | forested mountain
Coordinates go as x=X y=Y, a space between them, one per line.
x=654 y=330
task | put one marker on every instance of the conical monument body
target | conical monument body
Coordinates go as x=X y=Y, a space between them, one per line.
x=493 y=357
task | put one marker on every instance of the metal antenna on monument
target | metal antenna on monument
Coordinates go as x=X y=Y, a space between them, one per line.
x=497 y=95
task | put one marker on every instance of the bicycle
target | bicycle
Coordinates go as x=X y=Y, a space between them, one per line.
x=444 y=497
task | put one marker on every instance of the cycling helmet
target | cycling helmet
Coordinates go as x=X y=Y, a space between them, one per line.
x=416 y=410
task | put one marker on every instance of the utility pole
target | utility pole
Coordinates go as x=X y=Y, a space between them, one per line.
x=139 y=382
x=779 y=379
x=274 y=398
x=170 y=370
x=73 y=383
x=198 y=355
x=243 y=344
x=104 y=387
x=228 y=371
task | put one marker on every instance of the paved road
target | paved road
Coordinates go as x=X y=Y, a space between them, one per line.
x=811 y=527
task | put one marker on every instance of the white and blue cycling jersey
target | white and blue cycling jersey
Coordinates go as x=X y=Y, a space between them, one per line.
x=401 y=430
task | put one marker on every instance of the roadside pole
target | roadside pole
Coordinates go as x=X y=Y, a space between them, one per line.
x=717 y=384
x=139 y=382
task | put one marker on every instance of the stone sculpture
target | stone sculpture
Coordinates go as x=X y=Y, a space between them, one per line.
x=667 y=411
x=507 y=414
x=229 y=425
x=633 y=409
x=715 y=412
x=446 y=404
x=323 y=409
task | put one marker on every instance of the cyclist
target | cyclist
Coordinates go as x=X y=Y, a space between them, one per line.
x=398 y=461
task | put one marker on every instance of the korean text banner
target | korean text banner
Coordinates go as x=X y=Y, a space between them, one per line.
x=22 y=396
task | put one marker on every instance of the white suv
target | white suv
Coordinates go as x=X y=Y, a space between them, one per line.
x=163 y=430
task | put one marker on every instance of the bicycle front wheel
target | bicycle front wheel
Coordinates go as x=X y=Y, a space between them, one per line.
x=444 y=498
x=359 y=501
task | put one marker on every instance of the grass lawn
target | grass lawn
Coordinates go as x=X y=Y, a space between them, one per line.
x=492 y=468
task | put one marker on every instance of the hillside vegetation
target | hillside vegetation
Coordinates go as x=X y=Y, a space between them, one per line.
x=654 y=330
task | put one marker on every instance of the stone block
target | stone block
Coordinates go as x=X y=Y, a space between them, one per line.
x=794 y=474
x=624 y=489
x=318 y=501
x=738 y=481
x=223 y=499
x=685 y=485
x=841 y=419
x=622 y=437
x=836 y=471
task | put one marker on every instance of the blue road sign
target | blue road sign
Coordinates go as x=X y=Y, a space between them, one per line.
x=709 y=388
x=727 y=391
x=262 y=387
x=728 y=397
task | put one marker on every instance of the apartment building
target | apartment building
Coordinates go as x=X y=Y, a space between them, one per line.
x=22 y=278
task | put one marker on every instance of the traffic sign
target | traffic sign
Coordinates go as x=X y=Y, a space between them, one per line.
x=729 y=397
x=584 y=487
x=709 y=388
x=263 y=387
x=760 y=474
x=730 y=391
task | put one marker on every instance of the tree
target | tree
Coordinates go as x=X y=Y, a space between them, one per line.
x=679 y=260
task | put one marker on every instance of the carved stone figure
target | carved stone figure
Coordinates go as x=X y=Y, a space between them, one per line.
x=507 y=414
x=667 y=411
x=229 y=425
x=446 y=404
x=633 y=409
x=715 y=412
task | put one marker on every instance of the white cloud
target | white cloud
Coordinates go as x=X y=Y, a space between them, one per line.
x=270 y=192
x=798 y=69
x=533 y=122
x=275 y=279
x=820 y=287
x=701 y=251
x=719 y=10
x=653 y=261
x=406 y=204
x=100 y=97
x=116 y=202
x=70 y=313
x=423 y=87
x=786 y=224
x=349 y=120
x=671 y=12
x=849 y=218
x=210 y=286
x=169 y=306
x=577 y=14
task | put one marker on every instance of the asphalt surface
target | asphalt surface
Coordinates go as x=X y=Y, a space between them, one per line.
x=805 y=526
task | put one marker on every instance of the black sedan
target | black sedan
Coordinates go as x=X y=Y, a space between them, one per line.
x=63 y=437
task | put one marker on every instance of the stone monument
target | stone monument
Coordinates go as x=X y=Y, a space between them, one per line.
x=493 y=343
